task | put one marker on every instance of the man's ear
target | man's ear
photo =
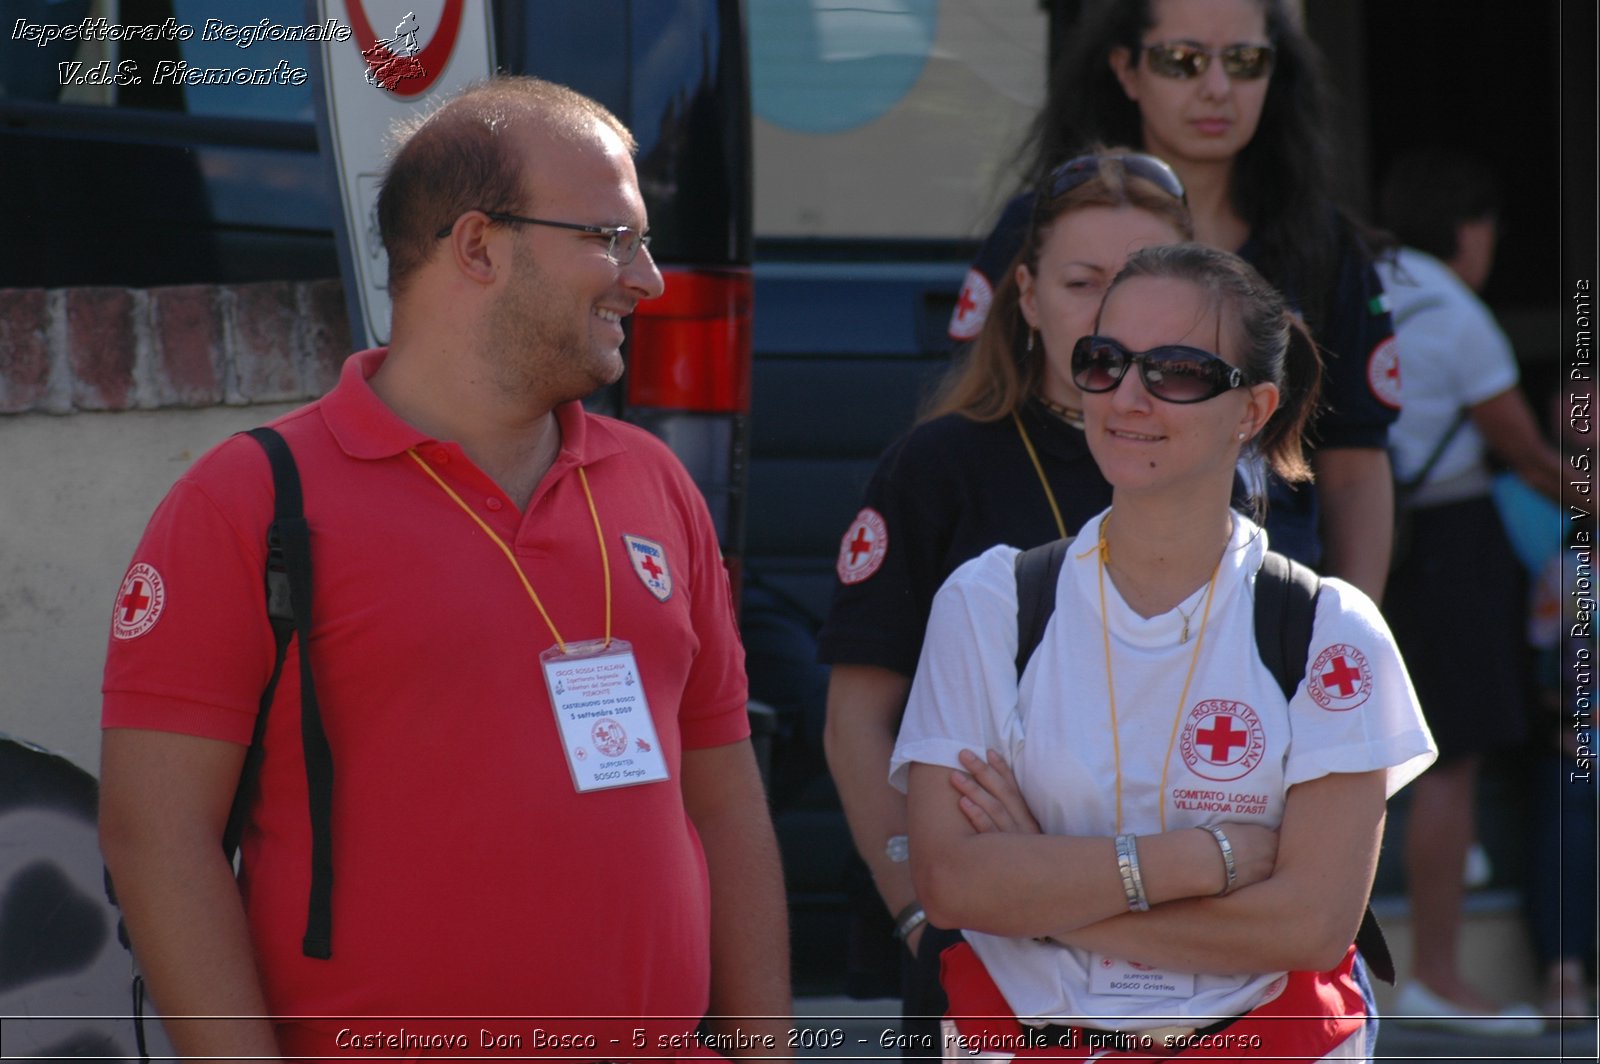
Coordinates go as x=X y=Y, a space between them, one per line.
x=473 y=250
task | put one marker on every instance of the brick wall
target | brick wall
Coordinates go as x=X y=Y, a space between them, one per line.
x=64 y=350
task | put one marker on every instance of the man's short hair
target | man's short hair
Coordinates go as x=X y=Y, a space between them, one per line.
x=457 y=159
x=1429 y=192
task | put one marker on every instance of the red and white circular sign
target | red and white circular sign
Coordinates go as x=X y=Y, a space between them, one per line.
x=140 y=601
x=861 y=550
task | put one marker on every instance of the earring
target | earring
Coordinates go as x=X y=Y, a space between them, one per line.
x=1241 y=437
x=1032 y=332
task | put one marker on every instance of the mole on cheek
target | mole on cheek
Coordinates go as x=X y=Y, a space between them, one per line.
x=1152 y=465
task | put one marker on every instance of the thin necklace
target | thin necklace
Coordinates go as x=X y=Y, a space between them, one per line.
x=1103 y=552
x=1184 y=638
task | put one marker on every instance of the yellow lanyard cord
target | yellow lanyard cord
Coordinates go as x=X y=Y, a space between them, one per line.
x=1050 y=496
x=605 y=558
x=1111 y=690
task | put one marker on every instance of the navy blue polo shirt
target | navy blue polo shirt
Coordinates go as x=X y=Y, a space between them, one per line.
x=944 y=493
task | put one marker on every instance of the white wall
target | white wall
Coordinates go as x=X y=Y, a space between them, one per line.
x=75 y=493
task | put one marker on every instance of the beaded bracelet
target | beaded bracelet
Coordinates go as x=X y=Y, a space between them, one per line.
x=1227 y=857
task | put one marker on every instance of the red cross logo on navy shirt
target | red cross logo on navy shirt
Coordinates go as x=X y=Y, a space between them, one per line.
x=965 y=305
x=860 y=545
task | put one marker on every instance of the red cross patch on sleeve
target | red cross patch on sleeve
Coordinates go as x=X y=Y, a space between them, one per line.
x=863 y=547
x=1340 y=678
x=1383 y=372
x=972 y=307
x=140 y=600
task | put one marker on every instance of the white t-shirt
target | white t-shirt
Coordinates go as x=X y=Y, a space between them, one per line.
x=1453 y=355
x=1237 y=749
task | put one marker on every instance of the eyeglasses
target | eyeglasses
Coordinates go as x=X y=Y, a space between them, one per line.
x=1172 y=373
x=1185 y=60
x=1074 y=172
x=624 y=245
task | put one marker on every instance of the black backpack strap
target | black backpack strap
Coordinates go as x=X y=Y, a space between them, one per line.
x=1038 y=571
x=1286 y=610
x=289 y=608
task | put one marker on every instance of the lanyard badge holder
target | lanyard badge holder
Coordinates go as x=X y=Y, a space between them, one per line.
x=606 y=729
x=607 y=733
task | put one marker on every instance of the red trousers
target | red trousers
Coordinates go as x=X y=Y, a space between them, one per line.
x=1314 y=1014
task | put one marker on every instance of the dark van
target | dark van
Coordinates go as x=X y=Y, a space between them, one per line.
x=122 y=165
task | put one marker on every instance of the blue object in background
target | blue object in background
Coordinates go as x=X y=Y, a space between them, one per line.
x=825 y=66
x=27 y=70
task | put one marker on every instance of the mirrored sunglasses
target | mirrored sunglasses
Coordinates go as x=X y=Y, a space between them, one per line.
x=1184 y=60
x=1172 y=373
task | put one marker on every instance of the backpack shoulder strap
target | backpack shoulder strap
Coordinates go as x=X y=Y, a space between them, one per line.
x=289 y=584
x=1286 y=611
x=1038 y=571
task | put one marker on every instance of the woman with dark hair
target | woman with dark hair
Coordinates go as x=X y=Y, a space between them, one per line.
x=1148 y=846
x=1000 y=458
x=1232 y=94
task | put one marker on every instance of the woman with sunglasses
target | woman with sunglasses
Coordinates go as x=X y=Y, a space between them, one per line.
x=1150 y=847
x=999 y=459
x=1232 y=94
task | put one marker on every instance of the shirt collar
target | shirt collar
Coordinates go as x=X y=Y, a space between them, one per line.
x=366 y=428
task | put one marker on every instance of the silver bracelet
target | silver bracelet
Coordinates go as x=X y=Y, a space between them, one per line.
x=1132 y=881
x=1227 y=857
x=897 y=848
x=908 y=920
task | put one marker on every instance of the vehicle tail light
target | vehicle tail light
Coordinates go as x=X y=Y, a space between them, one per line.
x=691 y=348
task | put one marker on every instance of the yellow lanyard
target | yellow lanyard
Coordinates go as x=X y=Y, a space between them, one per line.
x=1038 y=467
x=605 y=558
x=1111 y=690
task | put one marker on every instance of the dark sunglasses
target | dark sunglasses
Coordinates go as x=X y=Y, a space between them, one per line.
x=1074 y=172
x=1185 y=60
x=1172 y=373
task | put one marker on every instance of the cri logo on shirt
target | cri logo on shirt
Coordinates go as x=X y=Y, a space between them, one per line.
x=1222 y=740
x=1340 y=678
x=140 y=601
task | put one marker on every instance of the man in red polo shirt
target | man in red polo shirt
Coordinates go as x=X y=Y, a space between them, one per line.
x=545 y=803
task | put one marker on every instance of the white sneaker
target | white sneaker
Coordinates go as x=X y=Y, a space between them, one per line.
x=1418 y=1006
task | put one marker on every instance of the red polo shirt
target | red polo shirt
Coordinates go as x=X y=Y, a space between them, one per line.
x=470 y=877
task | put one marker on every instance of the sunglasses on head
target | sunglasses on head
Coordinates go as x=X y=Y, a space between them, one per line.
x=1172 y=373
x=1074 y=172
x=1184 y=60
